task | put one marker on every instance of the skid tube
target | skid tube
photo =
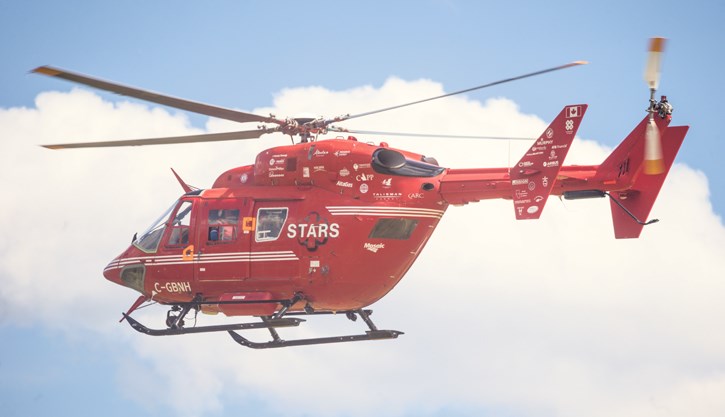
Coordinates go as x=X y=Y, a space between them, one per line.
x=277 y=342
x=173 y=331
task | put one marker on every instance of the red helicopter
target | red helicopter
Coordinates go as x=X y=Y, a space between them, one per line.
x=331 y=226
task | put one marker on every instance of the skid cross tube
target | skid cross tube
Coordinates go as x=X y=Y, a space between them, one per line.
x=285 y=302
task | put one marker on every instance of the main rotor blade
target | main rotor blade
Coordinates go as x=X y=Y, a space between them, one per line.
x=425 y=135
x=192 y=106
x=206 y=137
x=560 y=67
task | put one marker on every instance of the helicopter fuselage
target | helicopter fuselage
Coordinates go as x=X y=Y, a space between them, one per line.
x=312 y=218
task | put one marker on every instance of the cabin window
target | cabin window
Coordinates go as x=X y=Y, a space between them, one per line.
x=223 y=225
x=270 y=222
x=180 y=225
x=400 y=229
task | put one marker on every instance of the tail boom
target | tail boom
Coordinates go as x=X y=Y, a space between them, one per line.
x=621 y=175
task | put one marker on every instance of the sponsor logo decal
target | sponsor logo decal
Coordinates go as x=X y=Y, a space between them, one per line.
x=364 y=188
x=374 y=247
x=365 y=177
x=532 y=209
x=415 y=196
x=344 y=172
x=344 y=184
x=520 y=182
x=549 y=133
x=342 y=153
x=387 y=196
x=569 y=125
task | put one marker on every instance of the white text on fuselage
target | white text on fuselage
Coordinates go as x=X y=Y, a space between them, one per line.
x=177 y=287
x=316 y=231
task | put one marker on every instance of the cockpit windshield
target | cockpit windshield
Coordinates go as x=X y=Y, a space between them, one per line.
x=150 y=239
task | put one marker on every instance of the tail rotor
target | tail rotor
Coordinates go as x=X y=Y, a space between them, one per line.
x=653 y=160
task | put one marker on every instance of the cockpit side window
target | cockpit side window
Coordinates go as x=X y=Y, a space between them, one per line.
x=179 y=225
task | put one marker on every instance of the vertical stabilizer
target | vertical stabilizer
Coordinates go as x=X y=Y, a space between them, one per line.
x=640 y=198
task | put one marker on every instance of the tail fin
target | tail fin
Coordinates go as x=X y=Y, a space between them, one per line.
x=533 y=177
x=639 y=191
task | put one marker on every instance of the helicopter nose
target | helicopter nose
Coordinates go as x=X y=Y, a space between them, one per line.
x=126 y=271
x=112 y=271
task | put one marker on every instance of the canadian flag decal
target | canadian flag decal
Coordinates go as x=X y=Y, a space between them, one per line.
x=574 y=111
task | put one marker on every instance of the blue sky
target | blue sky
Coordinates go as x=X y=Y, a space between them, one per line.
x=240 y=54
x=247 y=55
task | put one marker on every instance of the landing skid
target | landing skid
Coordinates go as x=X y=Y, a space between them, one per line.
x=277 y=342
x=173 y=331
x=271 y=323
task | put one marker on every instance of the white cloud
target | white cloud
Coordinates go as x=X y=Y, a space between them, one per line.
x=536 y=317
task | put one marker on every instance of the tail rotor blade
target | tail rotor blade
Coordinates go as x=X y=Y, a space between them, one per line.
x=653 y=162
x=654 y=60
